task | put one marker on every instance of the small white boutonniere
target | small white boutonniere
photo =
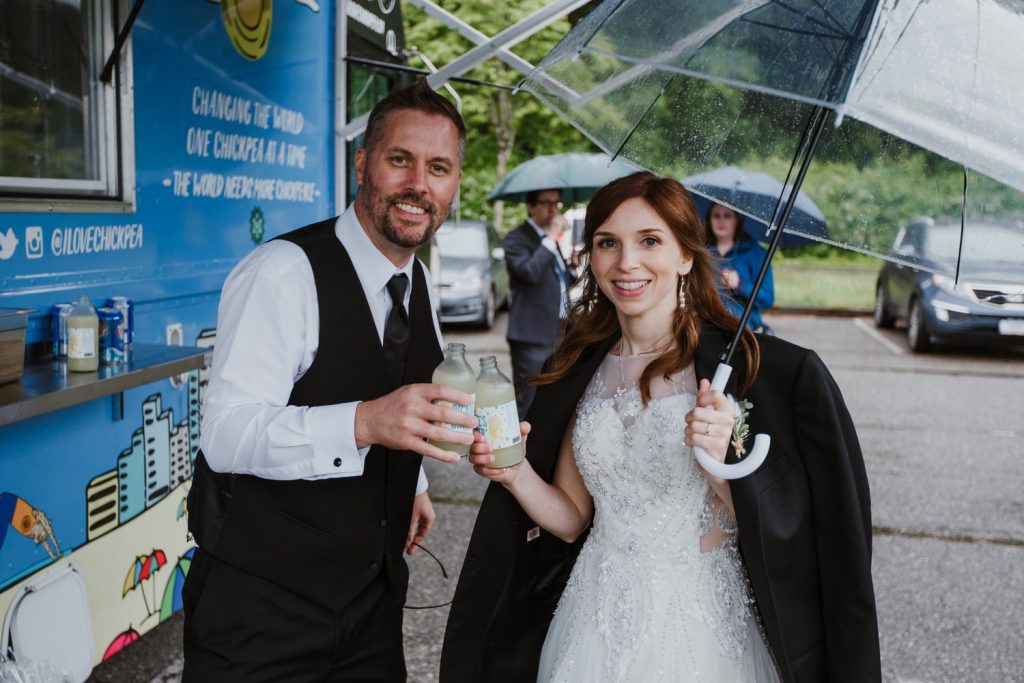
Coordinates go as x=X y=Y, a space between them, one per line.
x=740 y=428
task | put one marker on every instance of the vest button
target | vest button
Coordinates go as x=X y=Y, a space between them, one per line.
x=383 y=522
x=337 y=462
x=374 y=566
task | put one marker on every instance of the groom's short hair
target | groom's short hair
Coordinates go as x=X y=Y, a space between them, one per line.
x=418 y=96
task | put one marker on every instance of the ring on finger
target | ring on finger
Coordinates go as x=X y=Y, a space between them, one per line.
x=707 y=432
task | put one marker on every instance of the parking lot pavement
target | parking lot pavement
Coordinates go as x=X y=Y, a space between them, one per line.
x=949 y=612
x=943 y=440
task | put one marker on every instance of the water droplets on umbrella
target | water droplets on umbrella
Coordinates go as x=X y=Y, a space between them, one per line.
x=844 y=99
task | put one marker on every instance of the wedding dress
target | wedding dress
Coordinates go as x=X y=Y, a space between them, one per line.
x=658 y=592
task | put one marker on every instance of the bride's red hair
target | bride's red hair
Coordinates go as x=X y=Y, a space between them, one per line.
x=592 y=319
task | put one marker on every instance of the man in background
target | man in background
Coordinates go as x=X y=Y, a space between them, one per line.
x=539 y=281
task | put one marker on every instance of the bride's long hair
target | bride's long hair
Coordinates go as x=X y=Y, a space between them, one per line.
x=592 y=318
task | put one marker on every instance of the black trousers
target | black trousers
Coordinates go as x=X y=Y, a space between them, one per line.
x=527 y=362
x=239 y=627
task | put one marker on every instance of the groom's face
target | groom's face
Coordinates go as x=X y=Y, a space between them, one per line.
x=408 y=179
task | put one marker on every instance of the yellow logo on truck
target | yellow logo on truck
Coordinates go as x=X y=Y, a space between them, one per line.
x=248 y=25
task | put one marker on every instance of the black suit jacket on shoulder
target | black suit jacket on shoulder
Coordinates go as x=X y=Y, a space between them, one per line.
x=535 y=294
x=804 y=531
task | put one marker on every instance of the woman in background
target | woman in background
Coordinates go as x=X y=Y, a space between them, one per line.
x=741 y=259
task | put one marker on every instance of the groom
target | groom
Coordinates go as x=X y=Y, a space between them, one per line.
x=309 y=485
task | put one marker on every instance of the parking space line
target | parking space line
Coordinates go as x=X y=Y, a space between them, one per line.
x=878 y=336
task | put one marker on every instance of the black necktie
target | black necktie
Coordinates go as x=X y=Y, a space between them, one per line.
x=396 y=329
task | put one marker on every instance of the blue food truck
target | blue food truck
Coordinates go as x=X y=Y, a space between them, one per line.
x=144 y=150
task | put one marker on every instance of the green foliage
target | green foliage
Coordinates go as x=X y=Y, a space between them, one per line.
x=29 y=147
x=839 y=285
x=866 y=182
x=532 y=128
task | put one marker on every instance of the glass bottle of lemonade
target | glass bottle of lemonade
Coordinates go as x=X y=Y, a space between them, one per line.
x=455 y=372
x=496 y=414
x=83 y=337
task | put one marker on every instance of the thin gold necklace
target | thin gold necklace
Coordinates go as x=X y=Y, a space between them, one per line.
x=621 y=391
x=659 y=346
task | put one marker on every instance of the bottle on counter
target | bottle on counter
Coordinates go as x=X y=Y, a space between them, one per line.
x=496 y=413
x=83 y=337
x=455 y=372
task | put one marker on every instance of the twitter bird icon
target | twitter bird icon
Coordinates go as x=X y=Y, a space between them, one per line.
x=8 y=243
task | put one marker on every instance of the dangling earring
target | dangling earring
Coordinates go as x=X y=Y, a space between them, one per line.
x=682 y=291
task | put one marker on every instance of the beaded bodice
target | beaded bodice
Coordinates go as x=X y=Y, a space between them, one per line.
x=642 y=477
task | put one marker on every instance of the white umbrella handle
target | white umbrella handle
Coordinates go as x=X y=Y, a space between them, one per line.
x=757 y=453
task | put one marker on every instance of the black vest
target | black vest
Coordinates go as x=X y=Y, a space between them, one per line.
x=327 y=539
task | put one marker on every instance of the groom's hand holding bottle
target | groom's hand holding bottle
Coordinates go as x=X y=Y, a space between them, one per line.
x=405 y=418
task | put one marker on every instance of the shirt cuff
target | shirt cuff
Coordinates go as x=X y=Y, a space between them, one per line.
x=333 y=431
x=421 y=484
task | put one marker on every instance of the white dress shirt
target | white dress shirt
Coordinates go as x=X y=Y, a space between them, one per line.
x=552 y=246
x=267 y=335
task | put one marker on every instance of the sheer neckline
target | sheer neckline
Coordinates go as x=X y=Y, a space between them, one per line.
x=642 y=354
x=620 y=375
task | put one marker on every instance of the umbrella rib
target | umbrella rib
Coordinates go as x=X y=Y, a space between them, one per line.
x=424 y=72
x=639 y=120
x=963 y=219
x=827 y=13
x=815 y=124
x=600 y=25
x=837 y=27
x=884 y=61
x=702 y=76
x=798 y=31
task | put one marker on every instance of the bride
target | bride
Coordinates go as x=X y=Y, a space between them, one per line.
x=659 y=590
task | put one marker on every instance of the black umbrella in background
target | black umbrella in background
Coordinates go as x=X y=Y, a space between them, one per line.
x=908 y=103
x=761 y=193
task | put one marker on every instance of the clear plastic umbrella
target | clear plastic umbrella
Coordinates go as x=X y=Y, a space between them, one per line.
x=912 y=103
x=885 y=110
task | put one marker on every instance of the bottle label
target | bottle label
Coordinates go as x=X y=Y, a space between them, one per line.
x=81 y=342
x=460 y=408
x=500 y=424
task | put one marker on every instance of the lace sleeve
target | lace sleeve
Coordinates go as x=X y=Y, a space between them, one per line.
x=719 y=522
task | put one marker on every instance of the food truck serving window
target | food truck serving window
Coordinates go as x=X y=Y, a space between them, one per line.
x=61 y=137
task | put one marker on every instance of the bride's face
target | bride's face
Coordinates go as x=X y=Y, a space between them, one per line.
x=637 y=261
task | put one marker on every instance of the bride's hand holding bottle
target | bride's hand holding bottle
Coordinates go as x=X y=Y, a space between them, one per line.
x=481 y=455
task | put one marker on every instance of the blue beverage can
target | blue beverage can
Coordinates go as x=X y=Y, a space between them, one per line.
x=59 y=329
x=111 y=335
x=127 y=308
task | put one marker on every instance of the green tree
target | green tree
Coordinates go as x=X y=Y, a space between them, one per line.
x=503 y=129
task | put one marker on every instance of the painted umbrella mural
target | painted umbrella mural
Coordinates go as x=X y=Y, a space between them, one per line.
x=143 y=568
x=120 y=641
x=171 y=602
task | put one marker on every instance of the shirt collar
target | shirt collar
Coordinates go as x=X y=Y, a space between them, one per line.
x=542 y=233
x=373 y=267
